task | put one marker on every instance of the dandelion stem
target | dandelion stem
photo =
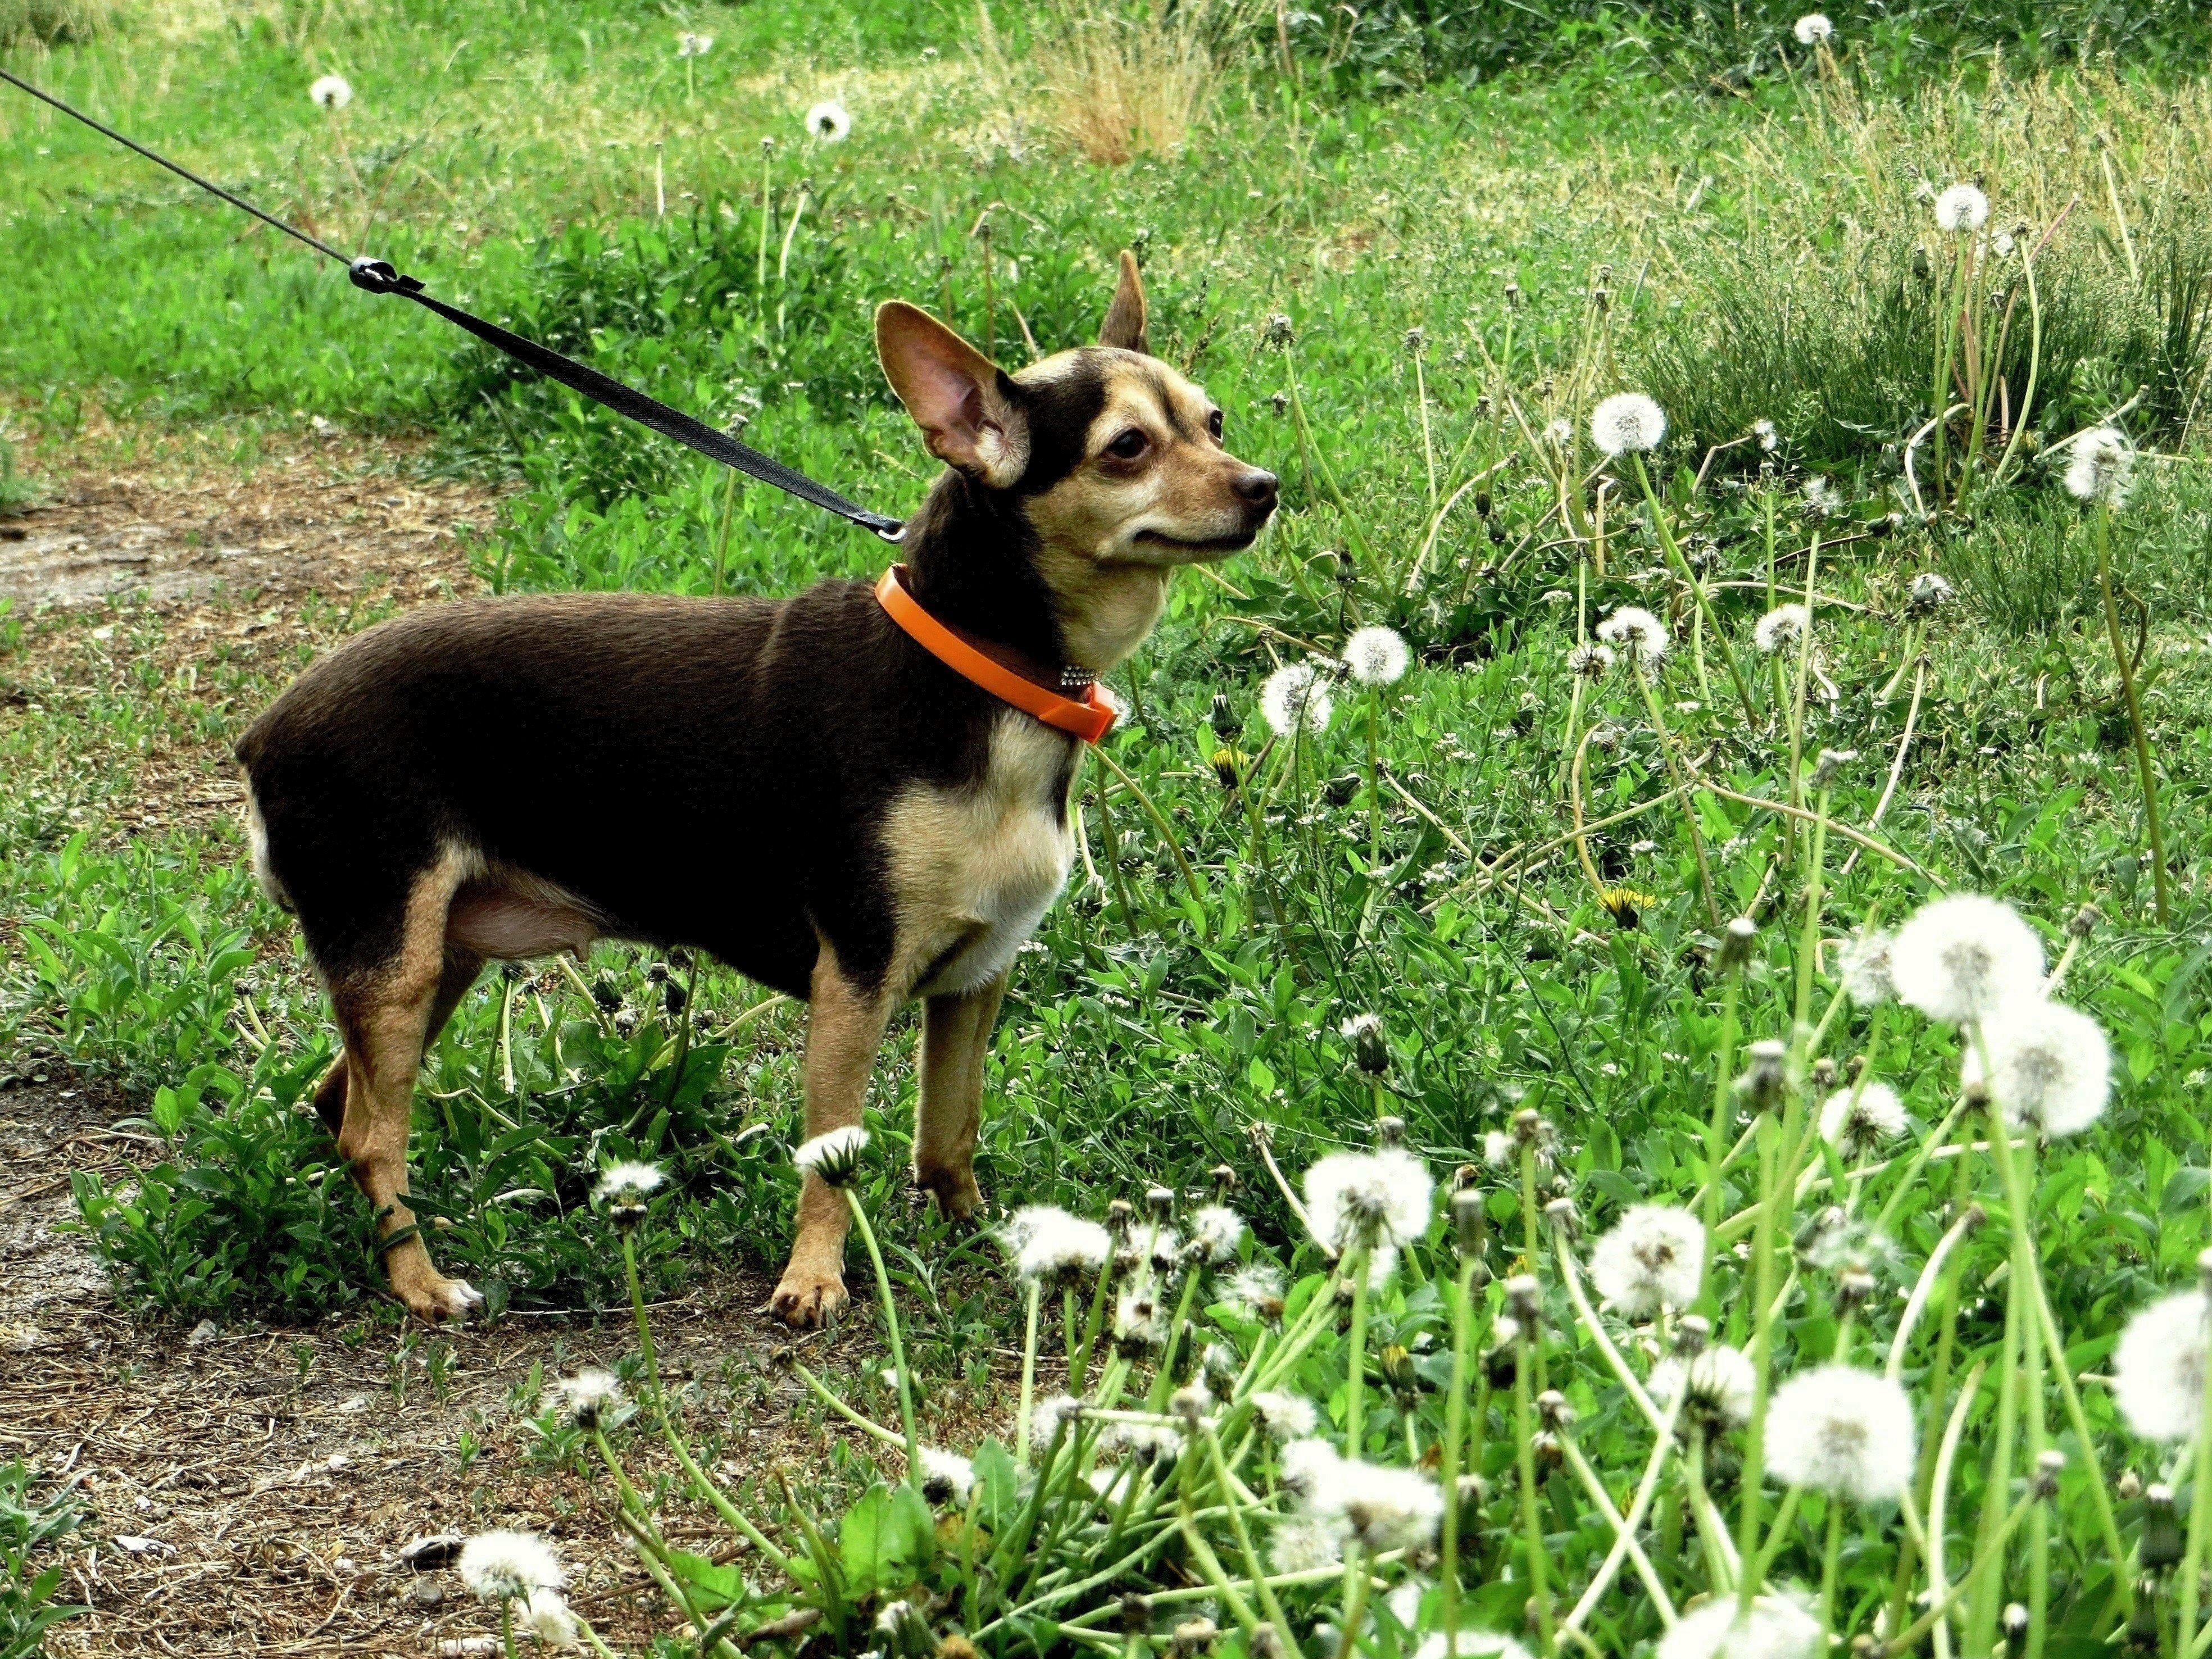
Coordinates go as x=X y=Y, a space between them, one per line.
x=2120 y=660
x=1355 y=1381
x=1636 y=1509
x=891 y=1330
x=1029 y=1374
x=1623 y=1536
x=1462 y=1318
x=1696 y=590
x=1716 y=1129
x=1586 y=1315
x=1268 y=1603
x=1754 y=1447
x=1986 y=1558
x=1524 y=1436
x=866 y=1425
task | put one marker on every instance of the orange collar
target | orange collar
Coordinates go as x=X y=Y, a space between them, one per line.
x=1089 y=717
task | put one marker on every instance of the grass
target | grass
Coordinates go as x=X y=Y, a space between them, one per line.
x=1461 y=266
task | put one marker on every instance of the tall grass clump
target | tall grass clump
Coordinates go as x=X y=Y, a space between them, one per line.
x=1121 y=78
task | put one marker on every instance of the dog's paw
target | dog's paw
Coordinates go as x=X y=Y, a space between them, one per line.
x=807 y=1297
x=957 y=1195
x=435 y=1300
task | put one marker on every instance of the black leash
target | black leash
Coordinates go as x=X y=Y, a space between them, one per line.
x=378 y=277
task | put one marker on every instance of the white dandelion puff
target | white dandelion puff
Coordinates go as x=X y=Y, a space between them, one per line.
x=1056 y=1246
x=1303 y=1545
x=1377 y=656
x=1855 y=1121
x=1719 y=1380
x=1052 y=1414
x=1783 y=625
x=1560 y=434
x=1296 y=698
x=1285 y=1416
x=1627 y=423
x=1653 y=1257
x=1822 y=499
x=1590 y=660
x=828 y=121
x=509 y=1566
x=633 y=1180
x=1377 y=1505
x=946 y=1477
x=2098 y=468
x=1862 y=964
x=1631 y=628
x=590 y=1396
x=2158 y=1370
x=1813 y=29
x=2051 y=1068
x=1256 y=1290
x=1774 y=1627
x=1216 y=1232
x=1930 y=593
x=330 y=92
x=833 y=1155
x=1961 y=209
x=1841 y=1430
x=689 y=44
x=546 y=1616
x=1140 y=1323
x=1769 y=439
x=1383 y=1197
x=1963 y=957
x=1308 y=1466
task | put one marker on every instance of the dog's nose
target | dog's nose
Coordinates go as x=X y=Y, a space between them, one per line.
x=1256 y=488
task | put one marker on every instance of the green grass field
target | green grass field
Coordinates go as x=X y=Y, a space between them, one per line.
x=1408 y=260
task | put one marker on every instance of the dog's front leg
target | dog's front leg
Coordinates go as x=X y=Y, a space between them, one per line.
x=844 y=1028
x=956 y=1035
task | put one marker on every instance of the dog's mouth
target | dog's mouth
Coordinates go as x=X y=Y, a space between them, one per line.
x=1214 y=547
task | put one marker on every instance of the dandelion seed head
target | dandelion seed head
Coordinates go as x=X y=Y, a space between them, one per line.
x=1964 y=957
x=1308 y=1466
x=1303 y=1544
x=1590 y=660
x=1142 y=1443
x=1774 y=1627
x=2098 y=465
x=1769 y=439
x=835 y=1155
x=1216 y=1233
x=1380 y=1196
x=1377 y=1506
x=1377 y=656
x=1052 y=1414
x=2051 y=1068
x=1140 y=1323
x=1822 y=499
x=545 y=1615
x=1720 y=1381
x=2158 y=1369
x=635 y=1181
x=589 y=1396
x=1813 y=29
x=1560 y=434
x=1056 y=1246
x=1961 y=209
x=330 y=92
x=1783 y=625
x=1862 y=964
x=1285 y=1416
x=694 y=46
x=1841 y=1430
x=509 y=1566
x=1627 y=423
x=946 y=1477
x=828 y=121
x=1855 y=1121
x=1295 y=699
x=1653 y=1257
x=1257 y=1289
x=1631 y=628
x=1930 y=593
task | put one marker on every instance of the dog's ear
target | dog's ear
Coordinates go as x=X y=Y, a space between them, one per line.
x=964 y=404
x=1125 y=318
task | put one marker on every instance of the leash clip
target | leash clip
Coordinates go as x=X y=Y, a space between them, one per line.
x=379 y=277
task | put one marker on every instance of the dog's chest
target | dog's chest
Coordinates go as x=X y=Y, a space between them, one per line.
x=973 y=868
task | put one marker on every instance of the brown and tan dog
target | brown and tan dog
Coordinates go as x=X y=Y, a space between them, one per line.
x=796 y=786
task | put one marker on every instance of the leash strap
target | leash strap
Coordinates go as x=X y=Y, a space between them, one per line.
x=1090 y=718
x=378 y=277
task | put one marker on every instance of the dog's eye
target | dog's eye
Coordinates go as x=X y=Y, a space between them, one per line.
x=1213 y=425
x=1129 y=445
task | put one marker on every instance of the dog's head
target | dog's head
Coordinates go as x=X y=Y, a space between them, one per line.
x=1112 y=460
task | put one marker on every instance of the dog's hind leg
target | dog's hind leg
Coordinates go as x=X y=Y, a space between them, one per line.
x=956 y=1035
x=387 y=1014
x=460 y=972
x=845 y=1026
